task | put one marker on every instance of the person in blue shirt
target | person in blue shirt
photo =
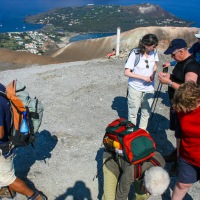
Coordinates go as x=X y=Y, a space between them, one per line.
x=195 y=49
x=9 y=183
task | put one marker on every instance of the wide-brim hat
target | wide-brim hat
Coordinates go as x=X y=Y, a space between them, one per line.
x=197 y=35
x=174 y=45
x=156 y=180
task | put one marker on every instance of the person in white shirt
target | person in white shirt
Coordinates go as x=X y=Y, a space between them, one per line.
x=141 y=80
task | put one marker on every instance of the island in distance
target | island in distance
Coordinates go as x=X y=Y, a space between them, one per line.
x=104 y=19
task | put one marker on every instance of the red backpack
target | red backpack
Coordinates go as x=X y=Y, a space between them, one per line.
x=135 y=145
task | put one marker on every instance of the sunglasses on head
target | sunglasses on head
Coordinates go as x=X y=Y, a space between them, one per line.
x=147 y=63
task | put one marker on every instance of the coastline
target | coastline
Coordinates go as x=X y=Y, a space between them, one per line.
x=74 y=37
x=65 y=40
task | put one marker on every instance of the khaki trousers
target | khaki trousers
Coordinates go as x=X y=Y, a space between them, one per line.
x=137 y=99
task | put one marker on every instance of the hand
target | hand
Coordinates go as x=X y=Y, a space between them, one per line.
x=167 y=64
x=164 y=78
x=152 y=76
x=147 y=79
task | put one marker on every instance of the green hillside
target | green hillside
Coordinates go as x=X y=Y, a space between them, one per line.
x=106 y=18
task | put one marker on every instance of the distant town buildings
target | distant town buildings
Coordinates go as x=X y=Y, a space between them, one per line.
x=31 y=41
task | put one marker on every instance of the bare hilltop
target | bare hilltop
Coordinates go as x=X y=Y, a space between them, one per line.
x=96 y=48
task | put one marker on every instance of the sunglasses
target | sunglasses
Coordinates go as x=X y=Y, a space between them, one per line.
x=173 y=54
x=147 y=63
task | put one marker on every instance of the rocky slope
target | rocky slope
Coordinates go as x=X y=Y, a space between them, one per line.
x=14 y=59
x=98 y=48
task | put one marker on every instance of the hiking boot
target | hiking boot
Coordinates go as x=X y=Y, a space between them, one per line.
x=7 y=192
x=171 y=157
x=38 y=196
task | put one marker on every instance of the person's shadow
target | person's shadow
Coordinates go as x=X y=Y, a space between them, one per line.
x=120 y=105
x=99 y=175
x=28 y=155
x=78 y=192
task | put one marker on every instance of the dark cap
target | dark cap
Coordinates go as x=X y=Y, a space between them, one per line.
x=175 y=44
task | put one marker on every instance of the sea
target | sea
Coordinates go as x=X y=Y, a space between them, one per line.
x=13 y=12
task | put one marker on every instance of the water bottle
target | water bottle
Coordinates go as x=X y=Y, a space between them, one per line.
x=24 y=125
x=112 y=143
x=116 y=145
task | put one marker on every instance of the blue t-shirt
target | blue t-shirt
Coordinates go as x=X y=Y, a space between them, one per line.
x=5 y=115
x=195 y=50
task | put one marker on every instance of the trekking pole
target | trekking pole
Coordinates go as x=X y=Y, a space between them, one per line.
x=157 y=94
x=155 y=100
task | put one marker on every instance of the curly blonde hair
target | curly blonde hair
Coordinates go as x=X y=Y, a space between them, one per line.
x=187 y=97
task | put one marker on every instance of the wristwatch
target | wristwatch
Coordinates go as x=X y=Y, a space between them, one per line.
x=170 y=84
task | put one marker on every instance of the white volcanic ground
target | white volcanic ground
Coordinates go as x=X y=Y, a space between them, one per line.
x=80 y=99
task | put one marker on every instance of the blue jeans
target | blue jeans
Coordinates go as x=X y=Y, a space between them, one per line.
x=137 y=99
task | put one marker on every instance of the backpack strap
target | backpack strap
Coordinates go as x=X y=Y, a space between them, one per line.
x=154 y=52
x=137 y=171
x=3 y=95
x=154 y=161
x=137 y=60
x=137 y=55
x=138 y=167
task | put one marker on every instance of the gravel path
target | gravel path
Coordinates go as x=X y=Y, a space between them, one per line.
x=80 y=99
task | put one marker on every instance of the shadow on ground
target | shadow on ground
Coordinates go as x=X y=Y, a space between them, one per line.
x=120 y=105
x=27 y=156
x=99 y=160
x=78 y=192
